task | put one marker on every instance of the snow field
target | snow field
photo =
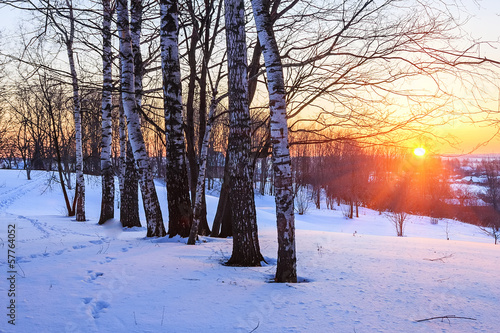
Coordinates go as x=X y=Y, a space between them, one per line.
x=356 y=275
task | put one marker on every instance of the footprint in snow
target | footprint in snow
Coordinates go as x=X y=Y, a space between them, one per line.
x=93 y=275
x=95 y=307
x=98 y=307
x=108 y=259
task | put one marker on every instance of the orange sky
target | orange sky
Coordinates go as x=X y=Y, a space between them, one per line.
x=471 y=137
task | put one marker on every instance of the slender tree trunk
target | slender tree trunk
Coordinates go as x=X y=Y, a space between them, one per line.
x=286 y=270
x=129 y=187
x=136 y=9
x=203 y=228
x=149 y=197
x=263 y=175
x=69 y=208
x=200 y=186
x=222 y=226
x=179 y=203
x=108 y=181
x=189 y=128
x=77 y=112
x=246 y=249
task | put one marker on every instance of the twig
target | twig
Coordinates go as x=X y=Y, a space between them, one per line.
x=441 y=280
x=24 y=274
x=256 y=327
x=440 y=259
x=444 y=317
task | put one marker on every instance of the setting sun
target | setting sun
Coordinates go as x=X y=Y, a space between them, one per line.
x=419 y=151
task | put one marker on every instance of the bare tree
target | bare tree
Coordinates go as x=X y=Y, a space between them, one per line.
x=200 y=26
x=398 y=219
x=129 y=186
x=108 y=181
x=132 y=110
x=198 y=209
x=61 y=17
x=246 y=249
x=286 y=270
x=492 y=229
x=399 y=203
x=179 y=203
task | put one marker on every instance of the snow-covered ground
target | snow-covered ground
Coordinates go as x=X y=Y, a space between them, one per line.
x=357 y=276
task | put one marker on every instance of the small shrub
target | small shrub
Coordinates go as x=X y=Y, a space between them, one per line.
x=302 y=200
x=346 y=211
x=398 y=218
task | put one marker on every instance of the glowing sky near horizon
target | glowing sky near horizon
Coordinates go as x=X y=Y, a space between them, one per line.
x=482 y=26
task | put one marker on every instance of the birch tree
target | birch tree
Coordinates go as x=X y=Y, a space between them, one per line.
x=200 y=184
x=131 y=109
x=246 y=250
x=286 y=270
x=200 y=27
x=179 y=202
x=67 y=36
x=129 y=187
x=108 y=183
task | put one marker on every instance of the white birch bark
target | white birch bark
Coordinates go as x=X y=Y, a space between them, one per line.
x=129 y=192
x=286 y=270
x=122 y=128
x=246 y=249
x=80 y=180
x=179 y=202
x=108 y=183
x=150 y=199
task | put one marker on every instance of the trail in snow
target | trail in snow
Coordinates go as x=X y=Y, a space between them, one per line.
x=8 y=195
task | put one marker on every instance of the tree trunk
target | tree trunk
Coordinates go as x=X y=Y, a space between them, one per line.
x=286 y=270
x=189 y=128
x=129 y=208
x=136 y=9
x=179 y=203
x=132 y=110
x=77 y=112
x=222 y=226
x=200 y=186
x=222 y=218
x=263 y=175
x=129 y=187
x=108 y=181
x=69 y=208
x=246 y=250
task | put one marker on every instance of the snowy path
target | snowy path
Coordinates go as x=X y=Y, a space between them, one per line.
x=9 y=194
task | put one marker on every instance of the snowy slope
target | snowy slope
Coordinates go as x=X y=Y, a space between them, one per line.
x=357 y=276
